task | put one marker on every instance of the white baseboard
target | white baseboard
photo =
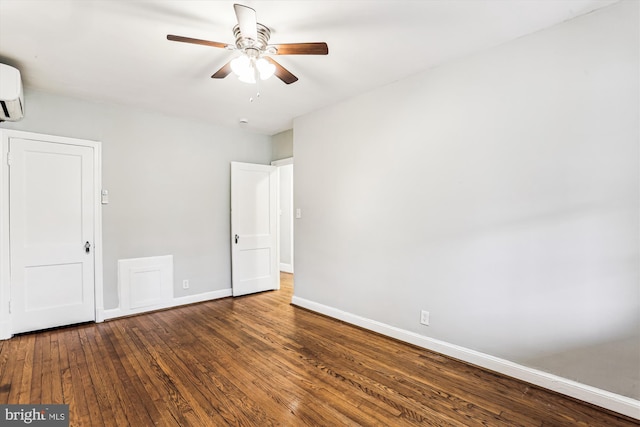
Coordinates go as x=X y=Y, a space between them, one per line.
x=207 y=296
x=287 y=268
x=175 y=302
x=111 y=313
x=614 y=402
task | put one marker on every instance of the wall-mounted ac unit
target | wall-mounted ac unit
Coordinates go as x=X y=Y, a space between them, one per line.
x=11 y=97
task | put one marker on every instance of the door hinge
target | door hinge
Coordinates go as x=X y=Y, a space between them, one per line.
x=9 y=159
x=9 y=306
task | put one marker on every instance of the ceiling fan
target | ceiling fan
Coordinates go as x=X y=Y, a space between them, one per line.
x=252 y=40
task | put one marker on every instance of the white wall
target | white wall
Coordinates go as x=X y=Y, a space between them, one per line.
x=499 y=192
x=282 y=145
x=168 y=180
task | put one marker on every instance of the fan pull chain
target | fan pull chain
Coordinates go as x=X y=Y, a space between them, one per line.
x=257 y=77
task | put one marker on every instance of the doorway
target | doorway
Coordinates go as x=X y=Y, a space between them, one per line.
x=285 y=215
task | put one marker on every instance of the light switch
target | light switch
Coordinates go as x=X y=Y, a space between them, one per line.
x=105 y=197
x=298 y=213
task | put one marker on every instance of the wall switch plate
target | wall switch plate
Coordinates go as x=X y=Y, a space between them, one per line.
x=424 y=317
x=185 y=284
x=298 y=213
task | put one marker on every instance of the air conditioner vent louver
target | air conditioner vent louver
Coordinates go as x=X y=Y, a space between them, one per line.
x=11 y=95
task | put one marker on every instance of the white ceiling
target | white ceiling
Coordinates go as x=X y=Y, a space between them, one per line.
x=116 y=51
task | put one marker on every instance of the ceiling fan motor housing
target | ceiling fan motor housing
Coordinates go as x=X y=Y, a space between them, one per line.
x=246 y=44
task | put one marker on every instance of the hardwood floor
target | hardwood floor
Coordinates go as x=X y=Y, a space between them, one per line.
x=258 y=361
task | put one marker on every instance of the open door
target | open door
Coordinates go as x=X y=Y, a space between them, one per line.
x=254 y=255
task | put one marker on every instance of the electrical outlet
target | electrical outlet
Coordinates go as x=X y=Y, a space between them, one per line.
x=185 y=284
x=424 y=317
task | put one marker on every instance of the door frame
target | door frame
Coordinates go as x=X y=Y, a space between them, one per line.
x=278 y=164
x=6 y=330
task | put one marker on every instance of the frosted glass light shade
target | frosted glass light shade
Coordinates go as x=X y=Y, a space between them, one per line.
x=245 y=68
x=265 y=68
x=242 y=67
x=248 y=77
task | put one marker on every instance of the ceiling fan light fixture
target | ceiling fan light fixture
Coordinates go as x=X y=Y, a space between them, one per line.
x=241 y=65
x=265 y=68
x=252 y=42
x=245 y=68
x=247 y=78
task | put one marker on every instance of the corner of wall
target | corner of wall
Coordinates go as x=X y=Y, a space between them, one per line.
x=282 y=145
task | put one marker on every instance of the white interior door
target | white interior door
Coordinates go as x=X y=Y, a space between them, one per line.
x=254 y=256
x=51 y=215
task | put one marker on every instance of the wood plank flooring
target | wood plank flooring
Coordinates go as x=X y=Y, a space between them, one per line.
x=258 y=361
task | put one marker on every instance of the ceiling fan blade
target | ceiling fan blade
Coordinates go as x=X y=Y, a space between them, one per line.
x=222 y=72
x=247 y=21
x=282 y=73
x=318 y=48
x=195 y=41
